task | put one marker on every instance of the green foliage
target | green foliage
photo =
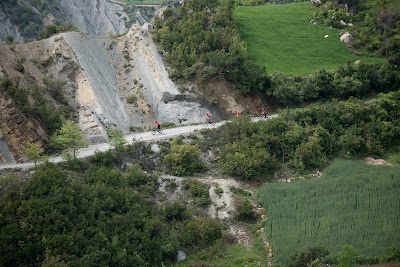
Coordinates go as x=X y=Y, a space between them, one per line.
x=184 y=159
x=345 y=206
x=306 y=138
x=95 y=217
x=50 y=30
x=42 y=107
x=358 y=80
x=69 y=137
x=199 y=191
x=34 y=152
x=282 y=42
x=202 y=232
x=200 y=41
x=244 y=209
x=116 y=138
x=347 y=256
x=9 y=39
x=375 y=24
x=307 y=256
x=132 y=99
x=176 y=211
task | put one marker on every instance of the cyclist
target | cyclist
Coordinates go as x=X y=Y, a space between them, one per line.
x=264 y=113
x=208 y=117
x=158 y=125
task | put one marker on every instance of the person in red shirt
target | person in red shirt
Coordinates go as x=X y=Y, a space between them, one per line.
x=264 y=112
x=238 y=113
x=208 y=117
x=158 y=125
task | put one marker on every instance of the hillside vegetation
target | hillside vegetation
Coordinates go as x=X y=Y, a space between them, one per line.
x=352 y=203
x=281 y=38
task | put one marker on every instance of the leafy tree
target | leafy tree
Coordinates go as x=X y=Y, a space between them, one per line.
x=70 y=137
x=347 y=257
x=116 y=138
x=34 y=152
x=307 y=257
x=184 y=159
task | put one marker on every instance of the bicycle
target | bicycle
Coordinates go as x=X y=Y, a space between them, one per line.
x=207 y=122
x=156 y=130
x=264 y=117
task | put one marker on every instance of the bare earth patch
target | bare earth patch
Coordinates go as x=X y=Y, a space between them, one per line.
x=372 y=161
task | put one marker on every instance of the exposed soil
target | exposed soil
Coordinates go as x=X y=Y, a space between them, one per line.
x=373 y=161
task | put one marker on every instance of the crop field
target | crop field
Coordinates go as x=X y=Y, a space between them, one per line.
x=281 y=38
x=352 y=203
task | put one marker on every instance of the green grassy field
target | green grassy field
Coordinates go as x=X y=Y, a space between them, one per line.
x=281 y=38
x=352 y=203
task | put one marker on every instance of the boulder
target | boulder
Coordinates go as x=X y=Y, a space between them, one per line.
x=347 y=38
x=343 y=23
x=315 y=2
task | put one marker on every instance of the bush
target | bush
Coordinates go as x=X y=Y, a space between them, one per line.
x=184 y=159
x=244 y=209
x=199 y=191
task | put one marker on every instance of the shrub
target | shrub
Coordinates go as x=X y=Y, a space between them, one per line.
x=199 y=191
x=244 y=209
x=132 y=99
x=184 y=159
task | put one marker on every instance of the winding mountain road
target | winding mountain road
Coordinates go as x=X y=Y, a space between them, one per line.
x=130 y=138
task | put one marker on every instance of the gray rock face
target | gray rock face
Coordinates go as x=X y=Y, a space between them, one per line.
x=7 y=28
x=347 y=38
x=95 y=17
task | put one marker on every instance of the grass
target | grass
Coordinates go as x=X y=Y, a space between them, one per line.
x=234 y=255
x=281 y=38
x=352 y=203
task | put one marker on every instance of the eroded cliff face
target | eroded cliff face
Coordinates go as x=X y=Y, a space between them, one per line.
x=94 y=17
x=16 y=129
x=103 y=75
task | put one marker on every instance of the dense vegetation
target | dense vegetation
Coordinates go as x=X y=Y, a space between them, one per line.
x=89 y=213
x=281 y=38
x=360 y=80
x=365 y=212
x=308 y=138
x=200 y=40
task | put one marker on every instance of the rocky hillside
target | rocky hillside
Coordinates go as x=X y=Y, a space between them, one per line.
x=25 y=19
x=110 y=81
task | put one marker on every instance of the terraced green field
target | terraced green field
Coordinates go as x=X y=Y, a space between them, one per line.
x=352 y=203
x=281 y=38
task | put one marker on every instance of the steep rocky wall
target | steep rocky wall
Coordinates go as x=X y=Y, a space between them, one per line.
x=95 y=17
x=17 y=129
x=7 y=28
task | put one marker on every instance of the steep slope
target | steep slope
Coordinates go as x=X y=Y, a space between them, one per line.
x=27 y=18
x=101 y=76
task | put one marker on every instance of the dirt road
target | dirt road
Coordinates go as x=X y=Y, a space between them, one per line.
x=130 y=138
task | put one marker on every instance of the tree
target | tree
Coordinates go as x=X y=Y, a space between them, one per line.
x=70 y=137
x=347 y=256
x=307 y=257
x=116 y=138
x=34 y=152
